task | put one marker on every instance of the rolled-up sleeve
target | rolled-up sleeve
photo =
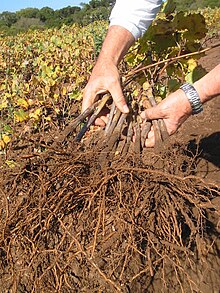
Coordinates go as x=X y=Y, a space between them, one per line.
x=134 y=15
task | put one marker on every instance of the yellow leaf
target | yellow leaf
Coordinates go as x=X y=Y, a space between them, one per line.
x=3 y=104
x=48 y=118
x=20 y=115
x=7 y=95
x=54 y=75
x=56 y=96
x=57 y=110
x=135 y=93
x=75 y=96
x=38 y=111
x=146 y=86
x=2 y=87
x=64 y=91
x=23 y=103
x=27 y=88
x=6 y=139
x=36 y=115
x=10 y=163
x=52 y=82
x=192 y=64
x=57 y=69
x=2 y=144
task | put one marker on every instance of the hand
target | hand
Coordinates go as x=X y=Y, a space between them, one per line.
x=174 y=110
x=105 y=78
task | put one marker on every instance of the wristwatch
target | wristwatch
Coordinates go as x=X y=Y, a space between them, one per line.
x=193 y=97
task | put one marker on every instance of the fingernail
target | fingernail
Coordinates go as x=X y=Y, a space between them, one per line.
x=125 y=109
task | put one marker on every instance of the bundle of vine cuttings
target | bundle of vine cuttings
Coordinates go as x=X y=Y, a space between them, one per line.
x=123 y=132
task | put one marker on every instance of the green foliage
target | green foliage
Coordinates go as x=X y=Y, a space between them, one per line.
x=8 y=18
x=171 y=34
x=28 y=13
x=212 y=19
x=187 y=5
x=98 y=33
x=45 y=14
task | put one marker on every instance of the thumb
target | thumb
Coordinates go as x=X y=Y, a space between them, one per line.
x=119 y=99
x=152 y=113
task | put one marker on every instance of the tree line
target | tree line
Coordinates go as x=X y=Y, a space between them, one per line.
x=34 y=18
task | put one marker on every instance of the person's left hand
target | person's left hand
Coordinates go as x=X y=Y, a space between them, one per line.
x=174 y=110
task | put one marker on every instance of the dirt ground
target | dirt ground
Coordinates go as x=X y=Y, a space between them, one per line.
x=141 y=224
x=202 y=133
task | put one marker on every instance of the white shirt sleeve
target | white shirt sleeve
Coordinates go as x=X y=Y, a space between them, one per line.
x=134 y=15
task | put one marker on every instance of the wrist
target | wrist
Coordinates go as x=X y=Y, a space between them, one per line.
x=209 y=85
x=105 y=60
x=182 y=103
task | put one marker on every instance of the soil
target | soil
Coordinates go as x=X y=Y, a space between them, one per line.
x=201 y=133
x=139 y=224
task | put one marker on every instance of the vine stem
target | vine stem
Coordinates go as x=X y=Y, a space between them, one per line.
x=161 y=123
x=171 y=60
x=93 y=117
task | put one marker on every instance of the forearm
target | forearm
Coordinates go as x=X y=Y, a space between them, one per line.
x=116 y=44
x=105 y=76
x=209 y=85
x=128 y=21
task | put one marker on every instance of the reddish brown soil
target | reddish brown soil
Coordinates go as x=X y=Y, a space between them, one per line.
x=201 y=134
x=141 y=224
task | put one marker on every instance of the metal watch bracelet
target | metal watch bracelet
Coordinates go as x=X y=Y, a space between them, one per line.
x=193 y=98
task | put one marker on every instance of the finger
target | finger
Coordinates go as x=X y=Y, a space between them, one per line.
x=150 y=139
x=150 y=142
x=100 y=122
x=104 y=119
x=152 y=113
x=119 y=99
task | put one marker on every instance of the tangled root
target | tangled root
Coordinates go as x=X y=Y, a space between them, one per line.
x=68 y=225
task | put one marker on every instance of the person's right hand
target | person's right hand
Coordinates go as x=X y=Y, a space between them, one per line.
x=105 y=78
